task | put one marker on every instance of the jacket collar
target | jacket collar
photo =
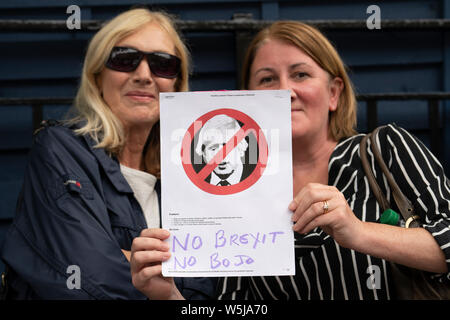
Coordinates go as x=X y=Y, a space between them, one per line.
x=110 y=164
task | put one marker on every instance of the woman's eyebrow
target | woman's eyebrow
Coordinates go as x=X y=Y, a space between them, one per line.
x=295 y=65
x=264 y=69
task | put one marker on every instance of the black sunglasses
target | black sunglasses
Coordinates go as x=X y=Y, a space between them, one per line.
x=161 y=64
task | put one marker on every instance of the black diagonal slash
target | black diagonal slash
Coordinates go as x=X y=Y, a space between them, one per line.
x=224 y=151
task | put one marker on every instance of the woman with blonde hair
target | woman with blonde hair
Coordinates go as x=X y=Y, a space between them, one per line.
x=340 y=244
x=92 y=182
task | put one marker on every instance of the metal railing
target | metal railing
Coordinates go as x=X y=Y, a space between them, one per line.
x=240 y=22
x=371 y=101
x=243 y=25
x=432 y=99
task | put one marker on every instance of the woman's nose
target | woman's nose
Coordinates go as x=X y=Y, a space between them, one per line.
x=285 y=84
x=143 y=73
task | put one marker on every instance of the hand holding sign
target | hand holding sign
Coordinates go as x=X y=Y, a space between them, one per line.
x=148 y=251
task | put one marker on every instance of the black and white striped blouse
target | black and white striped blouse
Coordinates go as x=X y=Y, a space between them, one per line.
x=324 y=270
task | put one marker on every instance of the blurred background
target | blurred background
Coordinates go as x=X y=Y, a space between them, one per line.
x=401 y=72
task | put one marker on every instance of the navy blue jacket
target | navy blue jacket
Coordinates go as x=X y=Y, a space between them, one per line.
x=76 y=208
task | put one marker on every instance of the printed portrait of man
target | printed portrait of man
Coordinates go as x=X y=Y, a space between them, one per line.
x=212 y=137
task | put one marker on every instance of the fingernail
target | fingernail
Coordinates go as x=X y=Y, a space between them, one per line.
x=166 y=233
x=292 y=205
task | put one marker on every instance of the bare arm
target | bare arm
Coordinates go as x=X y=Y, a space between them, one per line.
x=414 y=247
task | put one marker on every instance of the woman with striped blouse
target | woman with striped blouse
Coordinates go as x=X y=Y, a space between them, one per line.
x=339 y=243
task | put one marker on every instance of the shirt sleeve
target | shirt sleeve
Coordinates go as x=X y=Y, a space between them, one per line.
x=61 y=243
x=422 y=179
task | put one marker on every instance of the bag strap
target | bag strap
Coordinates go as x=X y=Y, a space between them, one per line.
x=404 y=205
x=4 y=285
x=381 y=199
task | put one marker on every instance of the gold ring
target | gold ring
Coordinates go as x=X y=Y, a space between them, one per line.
x=325 y=207
x=411 y=219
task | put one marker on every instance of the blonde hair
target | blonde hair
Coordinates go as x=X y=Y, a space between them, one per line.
x=315 y=45
x=99 y=121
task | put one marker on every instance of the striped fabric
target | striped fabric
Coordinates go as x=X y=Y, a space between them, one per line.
x=324 y=270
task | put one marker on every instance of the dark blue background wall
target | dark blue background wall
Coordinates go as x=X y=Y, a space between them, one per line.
x=48 y=64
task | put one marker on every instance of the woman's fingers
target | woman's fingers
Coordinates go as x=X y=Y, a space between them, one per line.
x=149 y=249
x=320 y=220
x=325 y=207
x=322 y=206
x=142 y=259
x=157 y=233
x=142 y=278
x=313 y=195
x=144 y=243
x=314 y=211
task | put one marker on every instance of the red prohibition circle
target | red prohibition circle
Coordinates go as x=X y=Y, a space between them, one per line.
x=249 y=126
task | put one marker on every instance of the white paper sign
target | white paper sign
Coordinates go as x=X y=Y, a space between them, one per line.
x=226 y=179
